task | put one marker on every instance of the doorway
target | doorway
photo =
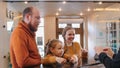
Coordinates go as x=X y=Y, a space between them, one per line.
x=77 y=25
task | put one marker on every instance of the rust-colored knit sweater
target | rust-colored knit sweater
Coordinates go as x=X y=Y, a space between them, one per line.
x=23 y=48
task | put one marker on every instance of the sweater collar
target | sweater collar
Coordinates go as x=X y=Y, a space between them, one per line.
x=26 y=28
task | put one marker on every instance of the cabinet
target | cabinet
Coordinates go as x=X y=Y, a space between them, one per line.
x=113 y=35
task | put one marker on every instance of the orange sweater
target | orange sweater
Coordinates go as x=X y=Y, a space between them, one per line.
x=49 y=61
x=75 y=49
x=23 y=48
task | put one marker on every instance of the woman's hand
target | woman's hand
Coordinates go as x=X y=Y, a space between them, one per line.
x=84 y=50
x=61 y=60
x=73 y=59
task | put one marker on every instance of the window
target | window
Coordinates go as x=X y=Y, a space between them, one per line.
x=40 y=37
x=9 y=26
x=76 y=25
x=62 y=25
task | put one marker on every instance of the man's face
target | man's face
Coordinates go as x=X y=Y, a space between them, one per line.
x=35 y=20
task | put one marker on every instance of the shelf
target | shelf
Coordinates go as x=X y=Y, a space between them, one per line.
x=113 y=35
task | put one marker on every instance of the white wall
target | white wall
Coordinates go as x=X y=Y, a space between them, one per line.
x=97 y=29
x=91 y=37
x=4 y=37
x=96 y=33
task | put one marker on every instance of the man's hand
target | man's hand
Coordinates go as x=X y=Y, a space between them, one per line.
x=109 y=52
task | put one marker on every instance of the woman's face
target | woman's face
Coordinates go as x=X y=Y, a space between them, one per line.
x=58 y=50
x=69 y=36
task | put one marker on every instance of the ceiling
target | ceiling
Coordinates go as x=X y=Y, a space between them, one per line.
x=50 y=7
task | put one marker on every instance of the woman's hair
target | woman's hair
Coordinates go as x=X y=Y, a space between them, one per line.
x=51 y=43
x=65 y=30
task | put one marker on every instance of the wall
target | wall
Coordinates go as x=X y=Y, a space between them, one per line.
x=91 y=38
x=4 y=37
x=97 y=29
x=50 y=28
x=96 y=33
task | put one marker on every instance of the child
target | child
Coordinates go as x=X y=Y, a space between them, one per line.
x=54 y=53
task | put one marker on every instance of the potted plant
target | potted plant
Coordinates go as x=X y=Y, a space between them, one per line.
x=9 y=62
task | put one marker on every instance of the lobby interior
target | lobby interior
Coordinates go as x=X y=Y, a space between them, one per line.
x=97 y=23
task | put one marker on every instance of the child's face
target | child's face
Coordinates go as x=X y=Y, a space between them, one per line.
x=58 y=50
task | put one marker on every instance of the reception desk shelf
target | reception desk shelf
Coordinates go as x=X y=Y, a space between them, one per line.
x=113 y=35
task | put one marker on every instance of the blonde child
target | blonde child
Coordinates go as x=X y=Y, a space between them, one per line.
x=54 y=53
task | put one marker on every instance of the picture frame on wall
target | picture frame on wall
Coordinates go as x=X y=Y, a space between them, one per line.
x=9 y=14
x=40 y=41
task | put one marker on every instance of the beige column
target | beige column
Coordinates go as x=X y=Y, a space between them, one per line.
x=4 y=36
x=50 y=28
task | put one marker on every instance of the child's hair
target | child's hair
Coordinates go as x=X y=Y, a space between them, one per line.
x=51 y=43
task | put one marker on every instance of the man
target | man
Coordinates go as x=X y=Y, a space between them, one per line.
x=23 y=48
x=107 y=57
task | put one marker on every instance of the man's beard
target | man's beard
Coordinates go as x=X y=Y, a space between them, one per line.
x=32 y=28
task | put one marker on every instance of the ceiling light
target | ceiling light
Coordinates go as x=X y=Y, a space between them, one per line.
x=64 y=2
x=60 y=9
x=26 y=2
x=57 y=13
x=100 y=3
x=107 y=9
x=88 y=9
x=81 y=13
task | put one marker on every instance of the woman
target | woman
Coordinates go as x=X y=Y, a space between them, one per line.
x=72 y=49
